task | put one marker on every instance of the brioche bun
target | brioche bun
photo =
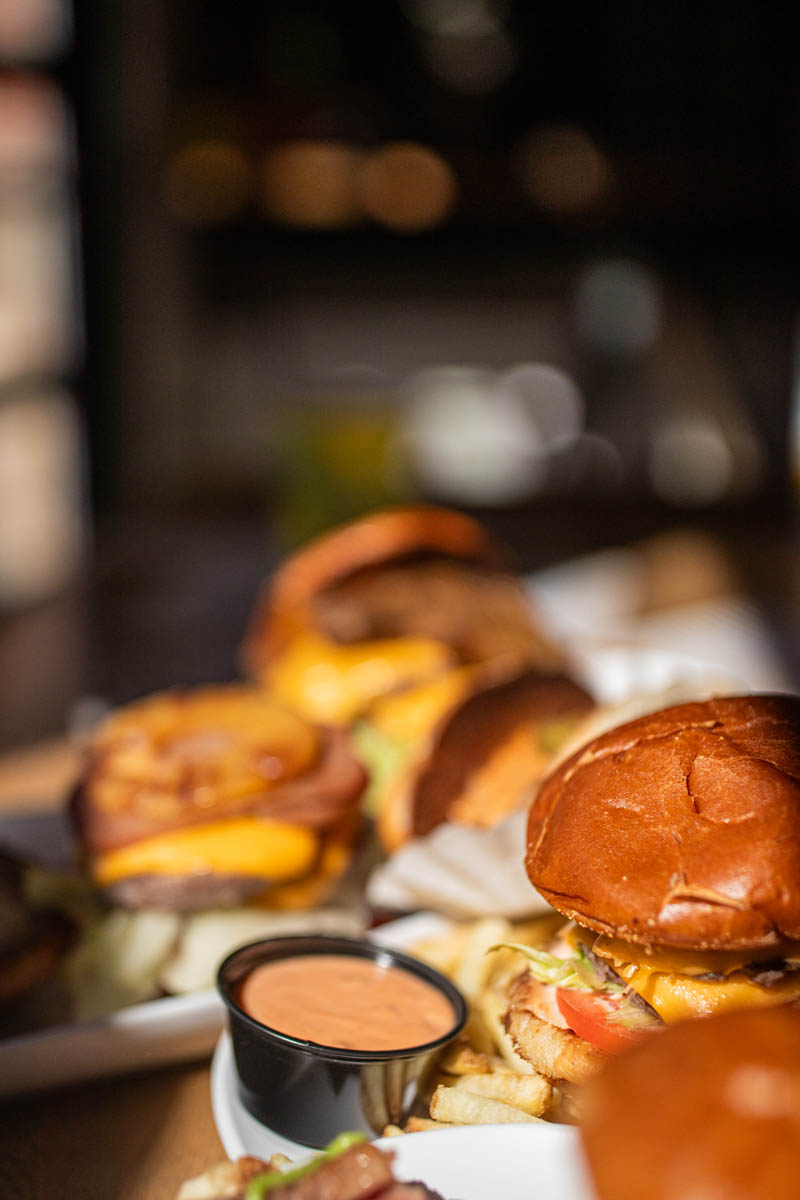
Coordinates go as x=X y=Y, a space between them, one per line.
x=391 y=534
x=485 y=755
x=680 y=828
x=709 y=1108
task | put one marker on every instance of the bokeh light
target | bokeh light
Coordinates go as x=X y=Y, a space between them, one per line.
x=690 y=461
x=407 y=187
x=311 y=183
x=552 y=397
x=618 y=308
x=471 y=441
x=452 y=18
x=563 y=170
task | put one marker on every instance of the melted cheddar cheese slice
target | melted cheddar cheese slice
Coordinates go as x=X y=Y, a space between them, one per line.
x=265 y=849
x=332 y=683
x=410 y=716
x=667 y=978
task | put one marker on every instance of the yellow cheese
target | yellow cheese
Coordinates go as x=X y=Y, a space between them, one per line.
x=410 y=716
x=334 y=860
x=274 y=850
x=679 y=997
x=684 y=962
x=667 y=978
x=332 y=683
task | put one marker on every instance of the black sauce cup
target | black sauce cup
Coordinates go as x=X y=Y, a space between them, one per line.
x=309 y=1092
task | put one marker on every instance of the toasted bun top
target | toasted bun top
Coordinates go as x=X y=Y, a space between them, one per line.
x=381 y=536
x=680 y=828
x=709 y=1108
x=390 y=534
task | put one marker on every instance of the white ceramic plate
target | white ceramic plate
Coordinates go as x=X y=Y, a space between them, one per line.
x=153 y=1034
x=463 y=1163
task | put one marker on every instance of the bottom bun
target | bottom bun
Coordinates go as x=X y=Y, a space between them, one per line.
x=710 y=1109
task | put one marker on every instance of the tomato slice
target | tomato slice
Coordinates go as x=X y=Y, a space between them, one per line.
x=589 y=1015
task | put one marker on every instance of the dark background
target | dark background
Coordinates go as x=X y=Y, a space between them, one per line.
x=625 y=210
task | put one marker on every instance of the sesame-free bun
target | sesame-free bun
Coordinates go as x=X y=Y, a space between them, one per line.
x=485 y=756
x=384 y=536
x=708 y=1108
x=680 y=828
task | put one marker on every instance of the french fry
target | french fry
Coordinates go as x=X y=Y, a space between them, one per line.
x=479 y=1034
x=463 y=1059
x=455 y=1106
x=566 y=1105
x=391 y=1131
x=503 y=1068
x=420 y=1124
x=475 y=966
x=279 y=1162
x=493 y=1007
x=531 y=1093
x=446 y=951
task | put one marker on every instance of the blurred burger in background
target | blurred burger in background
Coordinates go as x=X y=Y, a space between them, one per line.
x=469 y=751
x=407 y=627
x=391 y=600
x=710 y=1109
x=215 y=796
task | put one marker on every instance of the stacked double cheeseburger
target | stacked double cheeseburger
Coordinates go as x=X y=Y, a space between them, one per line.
x=395 y=651
x=215 y=796
x=406 y=627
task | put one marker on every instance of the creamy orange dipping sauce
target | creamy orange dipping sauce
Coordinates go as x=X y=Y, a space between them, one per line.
x=348 y=1002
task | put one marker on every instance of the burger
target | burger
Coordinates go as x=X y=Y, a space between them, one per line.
x=468 y=749
x=671 y=845
x=711 y=1109
x=406 y=627
x=386 y=602
x=215 y=796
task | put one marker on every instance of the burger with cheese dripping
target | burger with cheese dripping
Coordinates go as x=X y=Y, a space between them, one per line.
x=672 y=846
x=213 y=796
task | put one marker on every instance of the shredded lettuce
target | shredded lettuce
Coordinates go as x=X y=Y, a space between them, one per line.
x=552 y=734
x=580 y=973
x=577 y=972
x=382 y=758
x=630 y=1016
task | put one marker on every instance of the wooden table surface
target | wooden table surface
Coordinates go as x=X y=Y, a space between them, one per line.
x=127 y=1138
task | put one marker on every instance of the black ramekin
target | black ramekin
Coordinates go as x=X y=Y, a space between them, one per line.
x=309 y=1092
